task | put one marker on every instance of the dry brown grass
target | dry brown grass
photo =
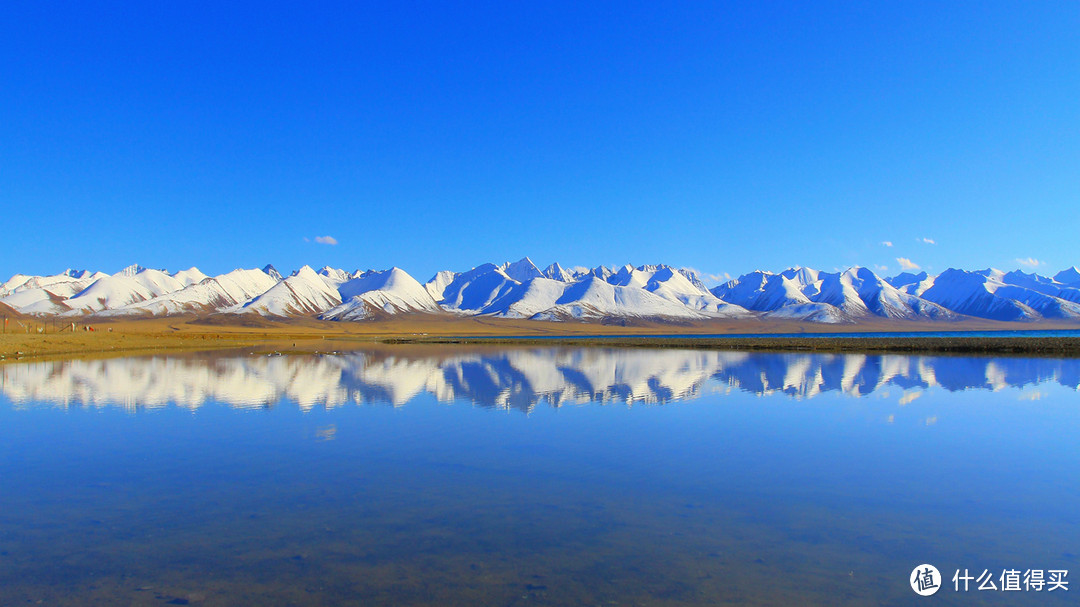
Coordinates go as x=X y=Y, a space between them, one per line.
x=112 y=337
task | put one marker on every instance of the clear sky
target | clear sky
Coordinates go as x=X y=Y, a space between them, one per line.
x=726 y=137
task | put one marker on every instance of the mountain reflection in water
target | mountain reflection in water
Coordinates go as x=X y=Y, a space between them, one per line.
x=506 y=379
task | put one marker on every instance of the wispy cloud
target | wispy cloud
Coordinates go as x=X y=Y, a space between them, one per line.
x=1030 y=262
x=710 y=279
x=881 y=268
x=886 y=243
x=928 y=240
x=326 y=240
x=723 y=277
x=907 y=264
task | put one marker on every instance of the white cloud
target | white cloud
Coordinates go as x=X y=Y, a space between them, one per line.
x=326 y=240
x=928 y=240
x=1030 y=262
x=710 y=280
x=887 y=243
x=881 y=268
x=907 y=264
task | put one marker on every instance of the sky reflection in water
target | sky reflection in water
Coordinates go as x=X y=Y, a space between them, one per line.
x=776 y=478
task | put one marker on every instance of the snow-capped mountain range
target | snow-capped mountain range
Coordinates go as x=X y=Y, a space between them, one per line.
x=522 y=290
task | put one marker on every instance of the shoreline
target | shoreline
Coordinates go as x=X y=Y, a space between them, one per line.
x=1016 y=346
x=189 y=334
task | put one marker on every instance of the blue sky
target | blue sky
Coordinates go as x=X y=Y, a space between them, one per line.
x=722 y=136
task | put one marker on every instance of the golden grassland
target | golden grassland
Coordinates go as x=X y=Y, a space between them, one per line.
x=24 y=338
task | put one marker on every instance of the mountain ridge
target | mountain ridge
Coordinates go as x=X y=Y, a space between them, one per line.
x=522 y=290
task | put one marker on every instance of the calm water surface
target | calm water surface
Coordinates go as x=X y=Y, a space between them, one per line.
x=534 y=476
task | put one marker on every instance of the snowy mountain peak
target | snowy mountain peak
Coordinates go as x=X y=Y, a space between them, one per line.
x=272 y=272
x=1070 y=277
x=906 y=278
x=130 y=271
x=801 y=275
x=438 y=283
x=992 y=273
x=998 y=296
x=306 y=271
x=601 y=272
x=522 y=270
x=860 y=273
x=833 y=297
x=391 y=292
x=190 y=276
x=694 y=279
x=334 y=274
x=557 y=272
x=1023 y=279
x=304 y=292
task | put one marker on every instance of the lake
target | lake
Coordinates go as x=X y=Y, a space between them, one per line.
x=422 y=475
